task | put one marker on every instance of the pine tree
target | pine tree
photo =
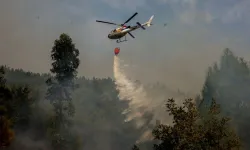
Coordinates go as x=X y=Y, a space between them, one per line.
x=64 y=68
x=228 y=83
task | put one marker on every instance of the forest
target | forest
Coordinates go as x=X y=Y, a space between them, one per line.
x=62 y=111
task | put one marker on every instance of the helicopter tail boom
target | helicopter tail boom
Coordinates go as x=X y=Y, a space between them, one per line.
x=149 y=22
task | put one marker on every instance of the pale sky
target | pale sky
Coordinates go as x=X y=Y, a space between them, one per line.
x=178 y=54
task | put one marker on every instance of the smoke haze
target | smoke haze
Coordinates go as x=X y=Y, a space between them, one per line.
x=142 y=100
x=167 y=54
x=177 y=55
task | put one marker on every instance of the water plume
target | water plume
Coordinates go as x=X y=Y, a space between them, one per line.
x=135 y=94
x=130 y=91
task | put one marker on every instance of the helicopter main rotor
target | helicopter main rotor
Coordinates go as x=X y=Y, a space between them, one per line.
x=116 y=23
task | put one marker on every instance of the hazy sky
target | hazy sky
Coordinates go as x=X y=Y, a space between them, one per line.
x=179 y=54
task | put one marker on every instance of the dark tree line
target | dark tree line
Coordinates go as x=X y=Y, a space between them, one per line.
x=15 y=110
x=228 y=82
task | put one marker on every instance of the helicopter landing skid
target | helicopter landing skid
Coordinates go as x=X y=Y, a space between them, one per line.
x=119 y=41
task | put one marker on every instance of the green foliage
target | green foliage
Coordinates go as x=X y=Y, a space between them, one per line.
x=191 y=131
x=65 y=60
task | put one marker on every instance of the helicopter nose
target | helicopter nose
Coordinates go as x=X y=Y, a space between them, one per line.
x=108 y=35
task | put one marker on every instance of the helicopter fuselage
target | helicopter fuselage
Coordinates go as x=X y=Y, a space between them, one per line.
x=123 y=30
x=120 y=32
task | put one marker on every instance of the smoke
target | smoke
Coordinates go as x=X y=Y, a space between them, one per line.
x=139 y=101
x=26 y=142
x=143 y=99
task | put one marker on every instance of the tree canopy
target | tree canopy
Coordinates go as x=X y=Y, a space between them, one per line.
x=228 y=83
x=191 y=131
x=65 y=63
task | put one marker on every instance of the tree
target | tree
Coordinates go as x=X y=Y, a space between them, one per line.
x=229 y=84
x=6 y=131
x=64 y=68
x=192 y=131
x=2 y=79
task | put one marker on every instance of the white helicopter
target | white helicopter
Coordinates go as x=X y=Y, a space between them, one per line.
x=122 y=31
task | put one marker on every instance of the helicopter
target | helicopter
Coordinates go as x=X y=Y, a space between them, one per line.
x=123 y=30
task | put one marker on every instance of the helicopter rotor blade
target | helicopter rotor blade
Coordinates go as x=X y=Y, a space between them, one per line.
x=107 y=22
x=130 y=18
x=131 y=35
